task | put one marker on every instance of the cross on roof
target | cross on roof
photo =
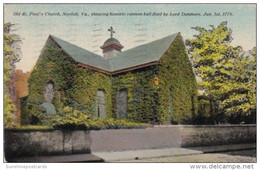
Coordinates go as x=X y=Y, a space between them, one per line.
x=111 y=31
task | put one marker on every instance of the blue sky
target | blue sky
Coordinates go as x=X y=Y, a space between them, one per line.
x=90 y=32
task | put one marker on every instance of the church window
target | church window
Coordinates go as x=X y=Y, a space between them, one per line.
x=49 y=92
x=47 y=106
x=121 y=103
x=101 y=104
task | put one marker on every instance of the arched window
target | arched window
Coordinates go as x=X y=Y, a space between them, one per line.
x=48 y=107
x=101 y=104
x=121 y=104
x=49 y=92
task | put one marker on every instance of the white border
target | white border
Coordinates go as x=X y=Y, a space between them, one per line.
x=114 y=166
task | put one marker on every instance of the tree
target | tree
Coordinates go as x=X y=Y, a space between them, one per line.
x=240 y=90
x=228 y=77
x=11 y=56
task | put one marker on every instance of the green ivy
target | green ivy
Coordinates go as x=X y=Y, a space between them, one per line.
x=85 y=86
x=142 y=103
x=76 y=87
x=148 y=102
x=73 y=119
x=176 y=75
x=79 y=121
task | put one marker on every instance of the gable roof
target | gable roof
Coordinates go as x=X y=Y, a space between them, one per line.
x=81 y=55
x=137 y=57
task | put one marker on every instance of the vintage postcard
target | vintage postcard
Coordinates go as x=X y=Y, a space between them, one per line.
x=130 y=83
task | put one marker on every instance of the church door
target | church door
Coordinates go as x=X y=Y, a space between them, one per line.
x=121 y=104
x=101 y=104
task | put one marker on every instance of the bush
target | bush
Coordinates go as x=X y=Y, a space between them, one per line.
x=8 y=110
x=77 y=123
x=72 y=119
x=77 y=120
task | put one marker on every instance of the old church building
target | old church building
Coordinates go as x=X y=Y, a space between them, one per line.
x=153 y=82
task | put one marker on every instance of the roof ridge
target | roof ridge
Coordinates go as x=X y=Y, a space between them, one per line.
x=145 y=53
x=81 y=55
x=72 y=44
x=154 y=41
x=120 y=56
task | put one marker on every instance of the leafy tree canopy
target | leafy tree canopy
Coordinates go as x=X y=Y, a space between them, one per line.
x=11 y=56
x=228 y=73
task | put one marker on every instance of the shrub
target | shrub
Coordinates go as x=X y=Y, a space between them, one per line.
x=77 y=120
x=84 y=122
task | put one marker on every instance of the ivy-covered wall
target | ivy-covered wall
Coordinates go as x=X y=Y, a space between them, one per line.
x=176 y=81
x=141 y=94
x=172 y=100
x=73 y=86
x=85 y=86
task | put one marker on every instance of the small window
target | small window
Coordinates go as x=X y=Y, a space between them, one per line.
x=49 y=92
x=121 y=103
x=101 y=104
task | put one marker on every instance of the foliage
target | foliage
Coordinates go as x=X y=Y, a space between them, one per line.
x=59 y=72
x=84 y=90
x=11 y=56
x=176 y=76
x=76 y=87
x=73 y=86
x=11 y=50
x=228 y=78
x=148 y=102
x=238 y=93
x=72 y=119
x=8 y=110
x=203 y=117
x=75 y=120
x=142 y=103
